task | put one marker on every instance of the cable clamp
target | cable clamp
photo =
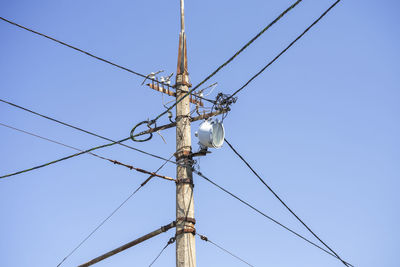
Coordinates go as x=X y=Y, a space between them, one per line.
x=185 y=231
x=183 y=154
x=202 y=237
x=171 y=240
x=184 y=181
x=186 y=219
x=167 y=227
x=178 y=117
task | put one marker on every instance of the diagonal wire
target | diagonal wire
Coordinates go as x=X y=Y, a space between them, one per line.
x=170 y=241
x=266 y=216
x=79 y=129
x=61 y=159
x=282 y=202
x=284 y=50
x=82 y=51
x=90 y=153
x=251 y=41
x=111 y=214
x=204 y=238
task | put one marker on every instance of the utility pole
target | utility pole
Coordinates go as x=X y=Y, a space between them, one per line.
x=185 y=238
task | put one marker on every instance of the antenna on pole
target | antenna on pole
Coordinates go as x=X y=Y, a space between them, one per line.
x=182 y=72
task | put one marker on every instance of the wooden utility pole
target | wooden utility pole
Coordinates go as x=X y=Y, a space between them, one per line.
x=185 y=238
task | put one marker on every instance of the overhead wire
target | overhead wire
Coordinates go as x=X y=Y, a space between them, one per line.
x=282 y=202
x=60 y=159
x=80 y=129
x=90 y=153
x=111 y=214
x=82 y=51
x=204 y=238
x=266 y=216
x=284 y=50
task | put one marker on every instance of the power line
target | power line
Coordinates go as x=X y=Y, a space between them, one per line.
x=62 y=159
x=80 y=129
x=283 y=203
x=47 y=139
x=266 y=216
x=250 y=42
x=204 y=238
x=82 y=51
x=111 y=214
x=90 y=153
x=170 y=241
x=153 y=121
x=284 y=50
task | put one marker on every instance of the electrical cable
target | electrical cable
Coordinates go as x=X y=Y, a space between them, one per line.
x=80 y=129
x=90 y=153
x=204 y=238
x=170 y=241
x=282 y=202
x=62 y=159
x=82 y=51
x=284 y=50
x=111 y=214
x=266 y=216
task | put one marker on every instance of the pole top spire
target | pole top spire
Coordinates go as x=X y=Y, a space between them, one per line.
x=182 y=69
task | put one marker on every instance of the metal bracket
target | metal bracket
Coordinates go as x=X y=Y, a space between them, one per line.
x=185 y=231
x=184 y=181
x=186 y=219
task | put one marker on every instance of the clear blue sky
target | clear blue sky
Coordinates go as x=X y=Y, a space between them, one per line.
x=321 y=126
